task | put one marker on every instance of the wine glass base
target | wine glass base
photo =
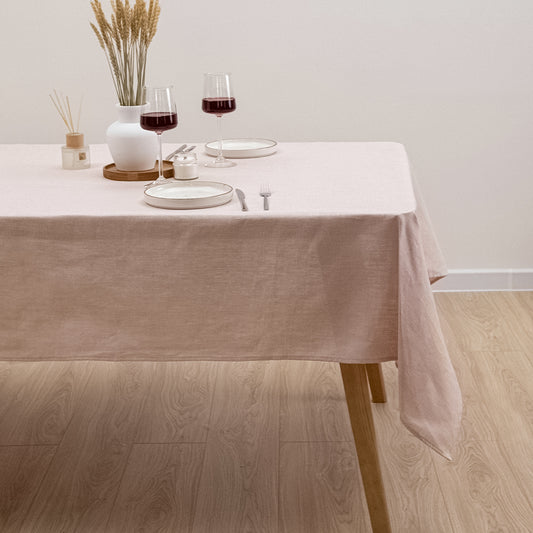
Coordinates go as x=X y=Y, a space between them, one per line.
x=159 y=181
x=220 y=163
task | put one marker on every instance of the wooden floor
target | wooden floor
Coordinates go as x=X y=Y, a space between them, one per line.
x=266 y=447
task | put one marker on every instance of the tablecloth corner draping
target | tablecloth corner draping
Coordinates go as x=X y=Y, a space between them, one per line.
x=430 y=396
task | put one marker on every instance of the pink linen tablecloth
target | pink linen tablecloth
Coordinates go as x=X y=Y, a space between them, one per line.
x=338 y=270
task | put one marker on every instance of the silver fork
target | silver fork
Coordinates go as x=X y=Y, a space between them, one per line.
x=265 y=193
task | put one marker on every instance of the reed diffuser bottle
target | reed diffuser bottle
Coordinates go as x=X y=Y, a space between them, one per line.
x=75 y=155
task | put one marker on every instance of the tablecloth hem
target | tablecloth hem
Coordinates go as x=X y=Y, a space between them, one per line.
x=443 y=453
x=192 y=359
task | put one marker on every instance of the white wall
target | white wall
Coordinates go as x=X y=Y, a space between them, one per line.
x=451 y=80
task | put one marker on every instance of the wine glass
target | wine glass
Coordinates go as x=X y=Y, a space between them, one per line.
x=218 y=100
x=159 y=115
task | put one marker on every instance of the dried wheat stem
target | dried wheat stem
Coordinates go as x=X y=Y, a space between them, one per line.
x=125 y=42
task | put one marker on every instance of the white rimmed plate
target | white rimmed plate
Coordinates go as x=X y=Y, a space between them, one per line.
x=188 y=195
x=242 y=148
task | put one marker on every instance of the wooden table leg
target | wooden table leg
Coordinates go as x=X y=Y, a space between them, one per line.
x=358 y=400
x=375 y=380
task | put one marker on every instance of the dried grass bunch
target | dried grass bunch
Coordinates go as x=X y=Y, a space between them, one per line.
x=125 y=41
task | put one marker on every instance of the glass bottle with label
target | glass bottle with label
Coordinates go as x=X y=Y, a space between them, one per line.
x=75 y=154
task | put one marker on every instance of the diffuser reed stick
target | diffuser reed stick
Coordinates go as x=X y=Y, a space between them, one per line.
x=62 y=104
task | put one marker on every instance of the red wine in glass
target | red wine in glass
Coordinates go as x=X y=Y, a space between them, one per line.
x=159 y=121
x=159 y=115
x=218 y=100
x=218 y=106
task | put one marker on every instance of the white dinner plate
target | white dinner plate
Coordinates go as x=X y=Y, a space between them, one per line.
x=188 y=195
x=241 y=148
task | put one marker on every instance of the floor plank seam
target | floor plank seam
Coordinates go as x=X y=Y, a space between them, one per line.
x=195 y=500
x=38 y=489
x=208 y=431
x=58 y=446
x=443 y=495
x=119 y=487
x=135 y=432
x=519 y=482
x=488 y=350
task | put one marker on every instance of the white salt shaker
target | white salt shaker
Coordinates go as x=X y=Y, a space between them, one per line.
x=186 y=167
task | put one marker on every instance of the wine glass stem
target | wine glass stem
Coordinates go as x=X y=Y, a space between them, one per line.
x=220 y=157
x=160 y=155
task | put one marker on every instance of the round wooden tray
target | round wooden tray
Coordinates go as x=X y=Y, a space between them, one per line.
x=112 y=173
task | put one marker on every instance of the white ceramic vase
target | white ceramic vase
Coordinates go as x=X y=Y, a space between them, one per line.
x=131 y=147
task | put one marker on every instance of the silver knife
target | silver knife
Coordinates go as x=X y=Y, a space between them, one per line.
x=241 y=196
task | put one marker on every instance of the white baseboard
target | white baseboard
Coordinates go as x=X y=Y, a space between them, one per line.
x=488 y=279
